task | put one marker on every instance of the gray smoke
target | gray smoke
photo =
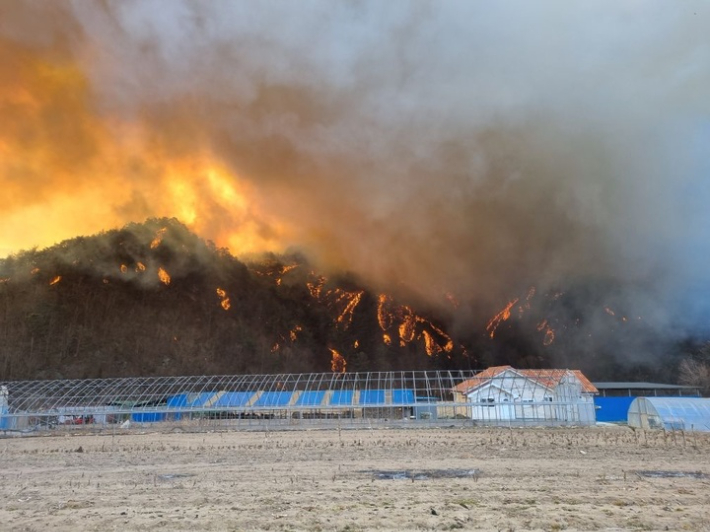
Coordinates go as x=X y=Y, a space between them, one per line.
x=476 y=148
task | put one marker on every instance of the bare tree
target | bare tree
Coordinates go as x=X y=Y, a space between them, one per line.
x=695 y=371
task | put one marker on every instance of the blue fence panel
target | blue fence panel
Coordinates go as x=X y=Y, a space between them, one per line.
x=372 y=397
x=342 y=398
x=310 y=398
x=613 y=409
x=147 y=417
x=274 y=399
x=232 y=399
x=402 y=397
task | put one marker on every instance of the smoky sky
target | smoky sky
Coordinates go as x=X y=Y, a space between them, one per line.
x=476 y=148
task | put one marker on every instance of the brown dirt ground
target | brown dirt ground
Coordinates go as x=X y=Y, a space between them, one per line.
x=530 y=479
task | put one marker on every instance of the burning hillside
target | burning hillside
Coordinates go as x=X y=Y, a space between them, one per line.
x=461 y=169
x=154 y=298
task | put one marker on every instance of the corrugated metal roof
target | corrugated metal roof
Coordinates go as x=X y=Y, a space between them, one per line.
x=641 y=386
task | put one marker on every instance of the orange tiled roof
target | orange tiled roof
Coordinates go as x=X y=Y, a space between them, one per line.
x=547 y=377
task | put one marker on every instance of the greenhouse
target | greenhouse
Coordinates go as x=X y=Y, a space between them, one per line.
x=670 y=413
x=497 y=396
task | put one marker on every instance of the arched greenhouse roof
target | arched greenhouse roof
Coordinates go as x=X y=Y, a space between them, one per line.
x=670 y=413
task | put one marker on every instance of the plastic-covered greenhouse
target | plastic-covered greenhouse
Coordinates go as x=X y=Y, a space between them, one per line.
x=495 y=396
x=670 y=413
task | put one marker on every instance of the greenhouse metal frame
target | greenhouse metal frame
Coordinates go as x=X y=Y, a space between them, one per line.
x=401 y=398
x=670 y=413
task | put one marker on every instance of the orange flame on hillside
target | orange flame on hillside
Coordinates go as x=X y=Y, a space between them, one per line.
x=499 y=318
x=123 y=268
x=158 y=237
x=163 y=276
x=338 y=364
x=141 y=175
x=384 y=318
x=140 y=267
x=315 y=288
x=352 y=300
x=294 y=333
x=224 y=300
x=55 y=280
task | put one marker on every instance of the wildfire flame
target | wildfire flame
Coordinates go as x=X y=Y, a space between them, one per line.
x=55 y=280
x=224 y=300
x=430 y=344
x=338 y=364
x=406 y=328
x=384 y=318
x=499 y=318
x=294 y=332
x=163 y=276
x=352 y=300
x=316 y=287
x=387 y=339
x=140 y=267
x=124 y=268
x=158 y=237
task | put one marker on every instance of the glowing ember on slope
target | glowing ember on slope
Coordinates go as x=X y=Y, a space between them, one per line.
x=224 y=300
x=124 y=268
x=549 y=337
x=140 y=267
x=158 y=237
x=55 y=280
x=387 y=339
x=338 y=364
x=499 y=318
x=449 y=345
x=316 y=287
x=163 y=276
x=406 y=328
x=432 y=348
x=353 y=299
x=383 y=318
x=294 y=333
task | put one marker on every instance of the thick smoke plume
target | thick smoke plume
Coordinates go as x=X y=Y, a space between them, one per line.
x=469 y=148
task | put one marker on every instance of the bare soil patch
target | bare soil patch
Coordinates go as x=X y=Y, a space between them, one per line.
x=525 y=479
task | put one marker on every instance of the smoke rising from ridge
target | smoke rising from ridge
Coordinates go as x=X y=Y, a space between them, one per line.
x=471 y=148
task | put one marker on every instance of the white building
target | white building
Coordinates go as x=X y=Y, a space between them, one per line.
x=503 y=393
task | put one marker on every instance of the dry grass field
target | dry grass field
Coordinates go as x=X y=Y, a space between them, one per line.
x=403 y=479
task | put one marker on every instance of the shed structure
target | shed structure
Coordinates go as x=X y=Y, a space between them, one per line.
x=521 y=395
x=614 y=398
x=670 y=413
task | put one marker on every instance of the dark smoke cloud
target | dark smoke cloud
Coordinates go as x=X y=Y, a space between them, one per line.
x=465 y=147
